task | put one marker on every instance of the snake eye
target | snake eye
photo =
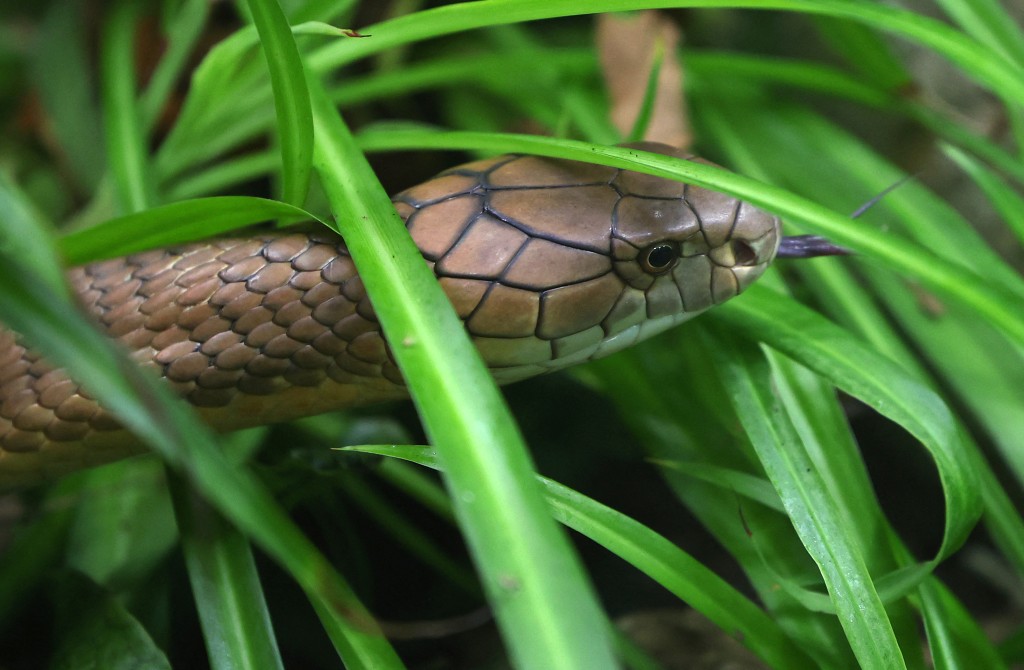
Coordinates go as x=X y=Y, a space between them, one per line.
x=743 y=253
x=659 y=258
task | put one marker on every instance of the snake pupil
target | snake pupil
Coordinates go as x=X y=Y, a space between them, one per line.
x=659 y=258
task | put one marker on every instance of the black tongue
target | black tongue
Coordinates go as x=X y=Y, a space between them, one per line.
x=808 y=246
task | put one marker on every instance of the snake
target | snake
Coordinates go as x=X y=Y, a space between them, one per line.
x=548 y=262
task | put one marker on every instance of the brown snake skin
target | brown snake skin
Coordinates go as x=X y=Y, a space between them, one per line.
x=548 y=262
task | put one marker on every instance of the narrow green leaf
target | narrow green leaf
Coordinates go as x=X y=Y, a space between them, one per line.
x=171 y=224
x=643 y=117
x=542 y=602
x=291 y=99
x=184 y=31
x=24 y=234
x=226 y=587
x=66 y=88
x=809 y=505
x=816 y=343
x=1004 y=199
x=126 y=145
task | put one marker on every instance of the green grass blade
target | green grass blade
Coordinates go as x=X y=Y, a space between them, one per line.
x=866 y=51
x=831 y=352
x=643 y=117
x=990 y=24
x=291 y=99
x=418 y=544
x=24 y=235
x=184 y=31
x=954 y=636
x=226 y=587
x=222 y=176
x=173 y=224
x=65 y=85
x=1004 y=199
x=542 y=601
x=972 y=57
x=808 y=503
x=126 y=145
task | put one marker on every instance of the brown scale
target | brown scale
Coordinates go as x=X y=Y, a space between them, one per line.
x=543 y=259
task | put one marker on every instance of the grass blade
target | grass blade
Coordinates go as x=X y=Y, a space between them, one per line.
x=828 y=350
x=808 y=504
x=126 y=145
x=291 y=99
x=225 y=584
x=173 y=224
x=542 y=601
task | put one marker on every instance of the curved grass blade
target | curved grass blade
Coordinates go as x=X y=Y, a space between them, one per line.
x=816 y=343
x=183 y=32
x=808 y=504
x=173 y=224
x=974 y=58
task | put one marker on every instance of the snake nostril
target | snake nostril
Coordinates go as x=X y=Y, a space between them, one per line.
x=743 y=253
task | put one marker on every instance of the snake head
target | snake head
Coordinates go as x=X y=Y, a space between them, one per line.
x=552 y=262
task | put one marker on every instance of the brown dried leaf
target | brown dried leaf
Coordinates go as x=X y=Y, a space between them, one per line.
x=627 y=45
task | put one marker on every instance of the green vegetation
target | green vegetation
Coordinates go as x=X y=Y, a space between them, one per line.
x=747 y=446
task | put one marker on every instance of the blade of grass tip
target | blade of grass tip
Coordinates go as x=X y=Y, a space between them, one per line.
x=226 y=587
x=542 y=601
x=126 y=146
x=810 y=507
x=54 y=326
x=291 y=99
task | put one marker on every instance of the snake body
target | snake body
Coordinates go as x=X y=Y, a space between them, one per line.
x=548 y=262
